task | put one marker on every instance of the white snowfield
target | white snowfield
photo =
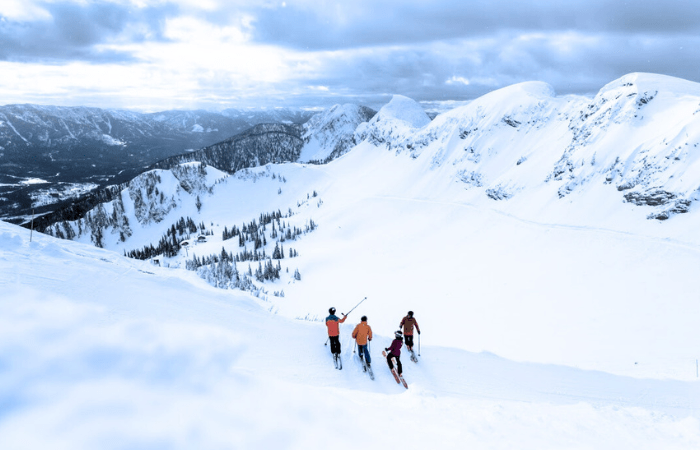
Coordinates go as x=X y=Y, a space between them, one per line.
x=98 y=351
x=554 y=314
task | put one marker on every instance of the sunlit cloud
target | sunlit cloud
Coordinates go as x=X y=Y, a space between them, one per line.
x=458 y=80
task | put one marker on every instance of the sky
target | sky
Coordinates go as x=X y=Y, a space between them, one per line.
x=152 y=55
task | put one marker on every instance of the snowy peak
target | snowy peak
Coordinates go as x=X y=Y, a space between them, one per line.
x=330 y=134
x=650 y=82
x=404 y=109
x=395 y=121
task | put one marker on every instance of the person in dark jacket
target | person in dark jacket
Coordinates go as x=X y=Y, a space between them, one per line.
x=395 y=352
x=407 y=323
x=332 y=322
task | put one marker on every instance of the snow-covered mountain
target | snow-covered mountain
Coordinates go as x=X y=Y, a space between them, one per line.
x=252 y=117
x=326 y=137
x=50 y=154
x=331 y=134
x=636 y=142
x=264 y=143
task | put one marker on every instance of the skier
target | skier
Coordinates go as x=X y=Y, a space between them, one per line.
x=407 y=323
x=332 y=322
x=395 y=352
x=362 y=335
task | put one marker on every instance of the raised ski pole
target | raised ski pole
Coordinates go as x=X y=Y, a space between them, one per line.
x=353 y=309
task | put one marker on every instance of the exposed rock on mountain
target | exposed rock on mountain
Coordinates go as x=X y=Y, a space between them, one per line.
x=145 y=200
x=330 y=134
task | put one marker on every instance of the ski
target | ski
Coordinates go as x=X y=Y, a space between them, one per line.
x=337 y=361
x=366 y=368
x=393 y=371
x=414 y=358
x=403 y=381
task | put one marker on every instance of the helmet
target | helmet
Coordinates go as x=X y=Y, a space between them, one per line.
x=332 y=310
x=410 y=314
x=399 y=335
x=364 y=318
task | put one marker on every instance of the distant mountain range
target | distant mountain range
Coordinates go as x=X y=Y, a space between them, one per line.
x=51 y=154
x=329 y=135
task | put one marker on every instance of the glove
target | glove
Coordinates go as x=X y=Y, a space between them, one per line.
x=418 y=332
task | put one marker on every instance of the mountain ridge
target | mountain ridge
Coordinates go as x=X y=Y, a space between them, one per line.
x=53 y=154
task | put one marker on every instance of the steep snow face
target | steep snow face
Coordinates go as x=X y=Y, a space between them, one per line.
x=640 y=134
x=394 y=121
x=638 y=138
x=330 y=134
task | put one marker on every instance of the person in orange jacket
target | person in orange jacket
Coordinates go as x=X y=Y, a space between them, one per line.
x=407 y=323
x=332 y=322
x=362 y=335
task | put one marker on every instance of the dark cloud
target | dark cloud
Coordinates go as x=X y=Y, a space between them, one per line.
x=73 y=32
x=372 y=23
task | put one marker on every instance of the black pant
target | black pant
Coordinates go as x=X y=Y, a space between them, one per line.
x=399 y=368
x=408 y=340
x=335 y=344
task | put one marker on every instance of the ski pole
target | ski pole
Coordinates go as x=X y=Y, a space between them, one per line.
x=355 y=307
x=327 y=339
x=354 y=348
x=418 y=344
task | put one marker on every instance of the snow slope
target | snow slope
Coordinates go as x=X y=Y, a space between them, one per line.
x=470 y=222
x=99 y=351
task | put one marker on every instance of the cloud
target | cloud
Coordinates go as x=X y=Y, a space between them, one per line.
x=313 y=25
x=64 y=31
x=156 y=54
x=458 y=80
